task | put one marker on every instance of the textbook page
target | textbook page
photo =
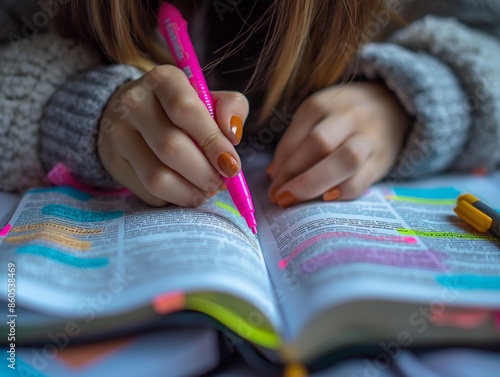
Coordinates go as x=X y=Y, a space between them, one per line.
x=74 y=252
x=396 y=243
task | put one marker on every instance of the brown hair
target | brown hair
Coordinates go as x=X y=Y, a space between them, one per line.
x=309 y=47
x=122 y=30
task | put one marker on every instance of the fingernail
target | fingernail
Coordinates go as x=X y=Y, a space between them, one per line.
x=270 y=169
x=272 y=194
x=211 y=194
x=236 y=125
x=332 y=194
x=286 y=199
x=228 y=164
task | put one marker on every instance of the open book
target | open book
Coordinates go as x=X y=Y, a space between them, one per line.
x=395 y=268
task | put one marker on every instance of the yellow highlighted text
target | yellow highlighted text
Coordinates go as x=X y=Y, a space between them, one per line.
x=57 y=238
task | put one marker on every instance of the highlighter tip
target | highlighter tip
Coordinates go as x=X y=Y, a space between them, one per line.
x=251 y=222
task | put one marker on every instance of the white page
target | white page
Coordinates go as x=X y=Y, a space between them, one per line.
x=342 y=251
x=131 y=253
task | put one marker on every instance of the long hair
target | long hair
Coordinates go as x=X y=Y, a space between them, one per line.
x=121 y=30
x=309 y=44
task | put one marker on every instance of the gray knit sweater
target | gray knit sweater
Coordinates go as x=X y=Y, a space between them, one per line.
x=444 y=67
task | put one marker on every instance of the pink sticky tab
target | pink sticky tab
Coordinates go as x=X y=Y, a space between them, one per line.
x=169 y=303
x=60 y=175
x=461 y=318
x=5 y=230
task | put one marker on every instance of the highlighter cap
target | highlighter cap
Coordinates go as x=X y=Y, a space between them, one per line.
x=468 y=198
x=473 y=216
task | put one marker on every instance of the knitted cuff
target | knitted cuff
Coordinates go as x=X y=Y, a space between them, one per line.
x=71 y=122
x=474 y=57
x=431 y=93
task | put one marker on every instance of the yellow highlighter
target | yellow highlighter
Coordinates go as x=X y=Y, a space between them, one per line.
x=479 y=215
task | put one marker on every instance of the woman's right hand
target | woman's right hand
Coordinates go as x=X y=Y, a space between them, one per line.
x=144 y=143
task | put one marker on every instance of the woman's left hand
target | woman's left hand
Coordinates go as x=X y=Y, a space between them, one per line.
x=340 y=141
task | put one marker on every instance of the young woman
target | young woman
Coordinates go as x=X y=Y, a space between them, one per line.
x=364 y=106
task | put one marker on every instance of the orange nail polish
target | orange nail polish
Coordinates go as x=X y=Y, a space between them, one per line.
x=211 y=194
x=270 y=169
x=332 y=194
x=228 y=164
x=236 y=125
x=286 y=199
x=272 y=194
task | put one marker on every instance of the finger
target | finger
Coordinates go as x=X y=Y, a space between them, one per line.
x=121 y=170
x=125 y=175
x=337 y=167
x=304 y=119
x=354 y=186
x=174 y=148
x=373 y=171
x=158 y=179
x=231 y=111
x=183 y=107
x=326 y=136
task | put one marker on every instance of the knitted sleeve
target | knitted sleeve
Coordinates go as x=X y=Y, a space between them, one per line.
x=71 y=121
x=29 y=75
x=447 y=76
x=49 y=113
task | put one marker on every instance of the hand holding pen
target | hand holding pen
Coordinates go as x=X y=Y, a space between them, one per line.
x=144 y=142
x=174 y=29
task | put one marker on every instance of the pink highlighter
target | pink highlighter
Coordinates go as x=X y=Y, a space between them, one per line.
x=174 y=29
